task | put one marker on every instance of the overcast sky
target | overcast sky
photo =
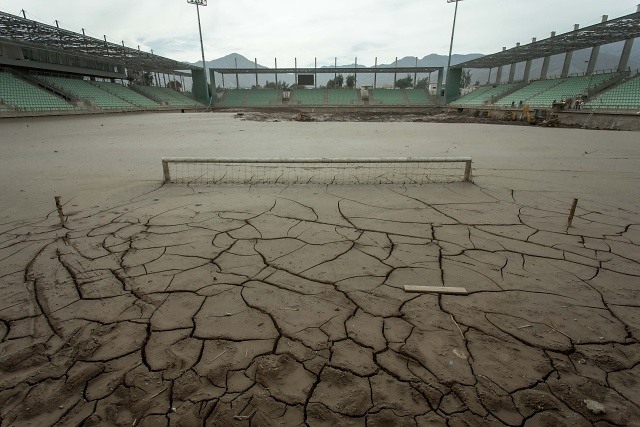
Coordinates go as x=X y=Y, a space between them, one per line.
x=332 y=28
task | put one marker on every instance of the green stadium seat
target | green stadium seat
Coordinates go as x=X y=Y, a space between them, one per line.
x=85 y=90
x=23 y=96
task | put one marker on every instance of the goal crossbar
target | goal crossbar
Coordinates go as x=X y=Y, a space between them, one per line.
x=363 y=170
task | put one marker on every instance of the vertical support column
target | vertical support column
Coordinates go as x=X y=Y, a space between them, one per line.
x=237 y=79
x=568 y=57
x=489 y=78
x=527 y=67
x=415 y=74
x=315 y=74
x=355 y=75
x=439 y=90
x=255 y=62
x=512 y=68
x=545 y=62
x=214 y=87
x=375 y=74
x=335 y=66
x=626 y=52
x=395 y=74
x=275 y=60
x=295 y=71
x=452 y=86
x=499 y=74
x=200 y=90
x=595 y=51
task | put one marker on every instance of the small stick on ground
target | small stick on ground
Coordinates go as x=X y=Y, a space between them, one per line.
x=59 y=208
x=217 y=356
x=560 y=332
x=572 y=212
x=461 y=334
x=158 y=393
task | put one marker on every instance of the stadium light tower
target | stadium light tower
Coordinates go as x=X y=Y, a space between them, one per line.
x=453 y=30
x=199 y=3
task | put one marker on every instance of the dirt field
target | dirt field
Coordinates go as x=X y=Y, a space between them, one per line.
x=274 y=305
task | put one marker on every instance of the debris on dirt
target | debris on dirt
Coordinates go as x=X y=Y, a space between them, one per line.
x=595 y=406
x=303 y=117
x=435 y=115
x=460 y=354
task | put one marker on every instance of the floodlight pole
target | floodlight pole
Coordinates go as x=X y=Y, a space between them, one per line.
x=199 y=3
x=453 y=30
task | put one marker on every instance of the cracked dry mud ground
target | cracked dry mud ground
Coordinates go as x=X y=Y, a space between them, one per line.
x=285 y=306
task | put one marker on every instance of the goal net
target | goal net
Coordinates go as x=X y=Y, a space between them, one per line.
x=329 y=171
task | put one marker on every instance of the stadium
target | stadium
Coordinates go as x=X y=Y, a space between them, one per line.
x=183 y=245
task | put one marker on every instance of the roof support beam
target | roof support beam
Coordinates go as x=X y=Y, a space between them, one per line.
x=527 y=66
x=568 y=57
x=595 y=51
x=499 y=75
x=512 y=69
x=545 y=62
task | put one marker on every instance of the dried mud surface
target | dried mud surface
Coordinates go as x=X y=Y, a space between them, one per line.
x=258 y=306
x=285 y=306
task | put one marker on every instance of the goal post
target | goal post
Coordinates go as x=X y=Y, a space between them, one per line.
x=345 y=171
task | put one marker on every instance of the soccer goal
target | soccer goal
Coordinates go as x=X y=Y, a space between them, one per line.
x=329 y=171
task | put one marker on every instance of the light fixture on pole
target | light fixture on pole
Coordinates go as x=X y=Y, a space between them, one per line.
x=199 y=3
x=453 y=30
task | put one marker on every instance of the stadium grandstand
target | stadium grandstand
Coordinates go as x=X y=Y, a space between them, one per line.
x=48 y=70
x=307 y=94
x=617 y=89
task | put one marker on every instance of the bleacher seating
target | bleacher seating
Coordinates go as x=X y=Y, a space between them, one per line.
x=624 y=96
x=568 y=88
x=128 y=95
x=233 y=98
x=171 y=97
x=263 y=97
x=310 y=97
x=24 y=96
x=387 y=97
x=418 y=97
x=523 y=94
x=342 y=96
x=86 y=91
x=542 y=93
x=483 y=95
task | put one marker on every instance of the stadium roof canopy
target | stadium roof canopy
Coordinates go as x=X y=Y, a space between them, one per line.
x=327 y=70
x=623 y=28
x=15 y=29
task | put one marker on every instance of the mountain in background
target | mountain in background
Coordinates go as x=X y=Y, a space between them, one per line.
x=607 y=60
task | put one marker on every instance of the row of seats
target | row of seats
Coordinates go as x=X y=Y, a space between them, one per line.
x=522 y=95
x=167 y=95
x=20 y=95
x=83 y=89
x=236 y=98
x=128 y=95
x=543 y=93
x=264 y=97
x=418 y=97
x=624 y=96
x=483 y=95
x=308 y=97
x=342 y=96
x=569 y=88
